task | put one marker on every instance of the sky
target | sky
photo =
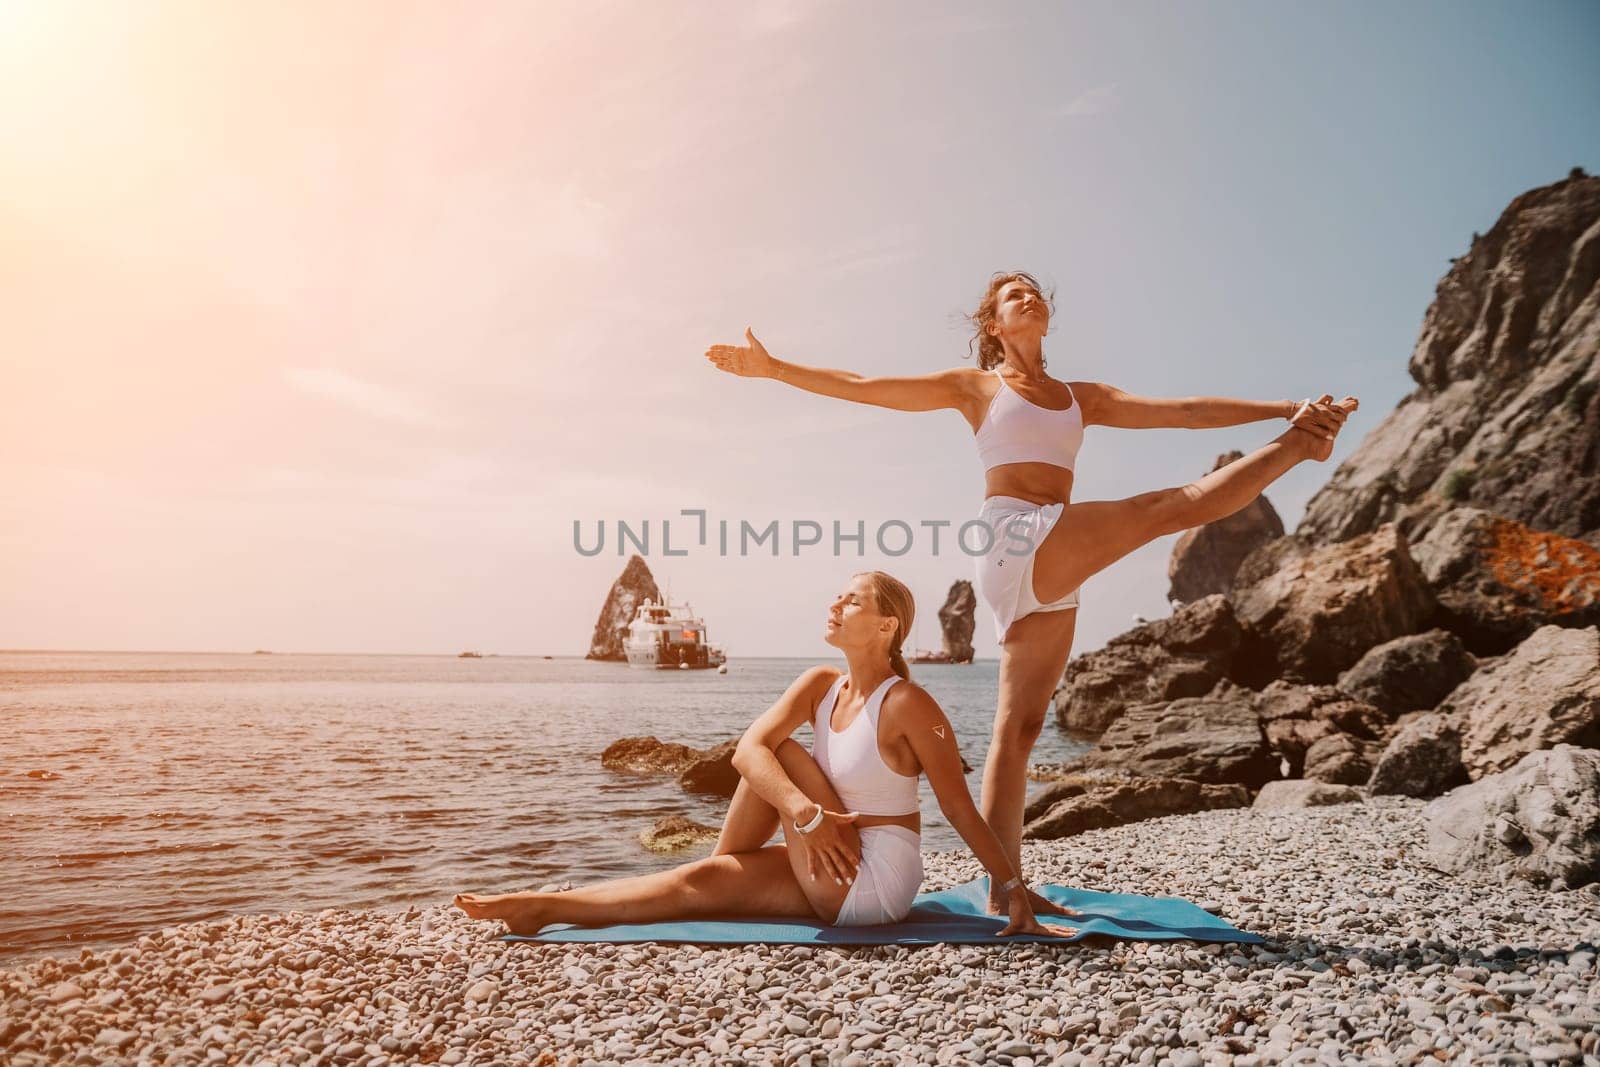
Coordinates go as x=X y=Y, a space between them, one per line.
x=321 y=326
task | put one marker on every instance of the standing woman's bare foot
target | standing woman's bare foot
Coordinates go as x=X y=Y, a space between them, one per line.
x=523 y=913
x=1320 y=422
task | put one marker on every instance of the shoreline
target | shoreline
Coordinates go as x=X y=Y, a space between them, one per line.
x=1370 y=955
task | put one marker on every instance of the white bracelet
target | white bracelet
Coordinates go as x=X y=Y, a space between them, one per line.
x=1009 y=886
x=812 y=825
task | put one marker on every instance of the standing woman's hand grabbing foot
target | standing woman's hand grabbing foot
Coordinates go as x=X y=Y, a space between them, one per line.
x=748 y=361
x=1323 y=419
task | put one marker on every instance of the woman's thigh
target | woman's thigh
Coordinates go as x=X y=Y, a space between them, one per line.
x=1091 y=536
x=753 y=884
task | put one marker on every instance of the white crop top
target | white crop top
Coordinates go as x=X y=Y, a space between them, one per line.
x=851 y=760
x=1016 y=430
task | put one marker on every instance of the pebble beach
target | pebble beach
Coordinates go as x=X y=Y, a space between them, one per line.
x=1370 y=957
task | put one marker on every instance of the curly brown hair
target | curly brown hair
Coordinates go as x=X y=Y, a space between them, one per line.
x=990 y=352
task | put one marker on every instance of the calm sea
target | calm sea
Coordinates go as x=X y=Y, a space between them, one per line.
x=141 y=790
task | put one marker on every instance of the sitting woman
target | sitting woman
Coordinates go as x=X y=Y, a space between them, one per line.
x=848 y=808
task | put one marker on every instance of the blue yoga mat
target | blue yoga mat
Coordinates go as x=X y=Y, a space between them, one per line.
x=950 y=916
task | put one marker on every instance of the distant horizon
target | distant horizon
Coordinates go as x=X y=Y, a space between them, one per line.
x=446 y=655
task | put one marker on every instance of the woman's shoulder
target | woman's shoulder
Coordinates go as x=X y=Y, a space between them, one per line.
x=908 y=701
x=818 y=679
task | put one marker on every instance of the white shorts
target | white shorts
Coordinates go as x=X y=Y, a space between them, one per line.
x=1005 y=574
x=890 y=875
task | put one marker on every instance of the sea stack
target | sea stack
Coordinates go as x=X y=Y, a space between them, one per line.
x=634 y=587
x=955 y=621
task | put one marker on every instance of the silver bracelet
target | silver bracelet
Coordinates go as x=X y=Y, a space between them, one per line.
x=1009 y=886
x=812 y=825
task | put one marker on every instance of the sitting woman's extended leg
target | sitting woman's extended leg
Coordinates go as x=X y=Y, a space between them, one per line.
x=756 y=882
x=750 y=884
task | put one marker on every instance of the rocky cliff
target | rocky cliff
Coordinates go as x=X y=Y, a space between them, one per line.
x=1506 y=413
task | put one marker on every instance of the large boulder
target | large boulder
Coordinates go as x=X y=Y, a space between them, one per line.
x=1546 y=692
x=713 y=772
x=1410 y=673
x=956 y=622
x=1215 y=738
x=1297 y=717
x=647 y=755
x=632 y=588
x=1423 y=759
x=1496 y=580
x=1311 y=611
x=1131 y=801
x=1506 y=413
x=1180 y=656
x=699 y=770
x=1538 y=821
x=1340 y=759
x=1206 y=558
x=1302 y=793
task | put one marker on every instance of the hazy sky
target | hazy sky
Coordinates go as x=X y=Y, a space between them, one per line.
x=320 y=324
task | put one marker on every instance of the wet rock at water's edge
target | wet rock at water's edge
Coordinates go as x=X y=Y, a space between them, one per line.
x=675 y=832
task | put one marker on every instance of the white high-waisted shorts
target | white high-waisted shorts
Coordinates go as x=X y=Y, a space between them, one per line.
x=1005 y=574
x=888 y=880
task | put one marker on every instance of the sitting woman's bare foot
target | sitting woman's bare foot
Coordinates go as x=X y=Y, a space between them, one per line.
x=523 y=913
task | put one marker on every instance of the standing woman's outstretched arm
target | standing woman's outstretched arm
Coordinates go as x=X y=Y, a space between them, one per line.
x=952 y=388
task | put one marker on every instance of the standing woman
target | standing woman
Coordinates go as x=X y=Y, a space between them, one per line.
x=1028 y=428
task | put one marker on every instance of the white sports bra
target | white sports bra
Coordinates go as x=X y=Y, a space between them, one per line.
x=1016 y=430
x=851 y=760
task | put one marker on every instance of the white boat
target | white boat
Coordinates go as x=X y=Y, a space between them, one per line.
x=667 y=636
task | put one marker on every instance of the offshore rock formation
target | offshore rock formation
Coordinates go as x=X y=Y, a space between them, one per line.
x=1506 y=414
x=955 y=621
x=1206 y=558
x=634 y=587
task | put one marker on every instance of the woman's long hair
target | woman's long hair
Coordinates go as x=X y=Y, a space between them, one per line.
x=894 y=600
x=990 y=351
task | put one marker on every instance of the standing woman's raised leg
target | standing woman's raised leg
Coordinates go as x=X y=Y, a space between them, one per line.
x=1091 y=536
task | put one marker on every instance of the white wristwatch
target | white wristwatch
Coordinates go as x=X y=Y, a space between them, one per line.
x=812 y=825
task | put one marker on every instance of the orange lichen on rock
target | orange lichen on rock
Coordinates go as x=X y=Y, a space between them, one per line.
x=1561 y=573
